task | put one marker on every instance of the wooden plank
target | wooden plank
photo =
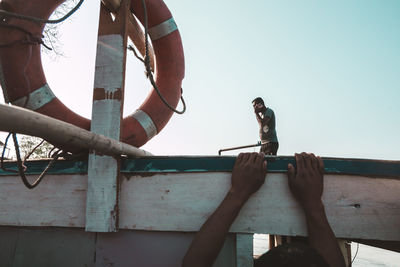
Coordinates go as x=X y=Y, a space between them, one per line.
x=155 y=249
x=244 y=250
x=141 y=248
x=135 y=32
x=227 y=255
x=59 y=200
x=345 y=248
x=357 y=207
x=103 y=171
x=112 y=5
x=60 y=247
x=74 y=247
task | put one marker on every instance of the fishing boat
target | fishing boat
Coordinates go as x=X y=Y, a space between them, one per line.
x=123 y=206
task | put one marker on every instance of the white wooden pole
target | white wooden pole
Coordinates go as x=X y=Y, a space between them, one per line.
x=108 y=100
x=135 y=32
x=23 y=121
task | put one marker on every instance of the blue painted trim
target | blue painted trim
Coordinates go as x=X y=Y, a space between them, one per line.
x=374 y=168
x=59 y=167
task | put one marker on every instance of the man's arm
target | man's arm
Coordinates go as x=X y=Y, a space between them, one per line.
x=307 y=187
x=248 y=175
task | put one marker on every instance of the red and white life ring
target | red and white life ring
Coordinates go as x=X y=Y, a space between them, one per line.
x=22 y=75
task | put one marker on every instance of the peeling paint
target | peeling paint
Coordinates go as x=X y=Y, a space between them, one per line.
x=102 y=94
x=145 y=174
x=103 y=171
x=109 y=62
x=101 y=209
x=106 y=118
x=127 y=176
x=80 y=190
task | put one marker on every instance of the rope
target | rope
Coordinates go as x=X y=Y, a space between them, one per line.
x=21 y=164
x=50 y=152
x=30 y=38
x=358 y=244
x=2 y=155
x=149 y=72
x=22 y=168
x=135 y=53
x=30 y=153
x=7 y=14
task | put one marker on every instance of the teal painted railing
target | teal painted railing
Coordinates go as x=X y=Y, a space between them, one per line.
x=363 y=167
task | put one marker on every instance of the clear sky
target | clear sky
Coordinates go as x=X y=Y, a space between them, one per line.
x=329 y=69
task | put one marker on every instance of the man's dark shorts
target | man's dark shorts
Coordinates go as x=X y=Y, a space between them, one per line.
x=270 y=148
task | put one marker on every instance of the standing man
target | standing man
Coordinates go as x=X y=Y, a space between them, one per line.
x=266 y=119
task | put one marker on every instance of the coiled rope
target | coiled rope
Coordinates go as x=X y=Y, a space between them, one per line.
x=149 y=71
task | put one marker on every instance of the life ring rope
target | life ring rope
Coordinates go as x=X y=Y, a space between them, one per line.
x=7 y=14
x=156 y=32
x=21 y=164
x=165 y=28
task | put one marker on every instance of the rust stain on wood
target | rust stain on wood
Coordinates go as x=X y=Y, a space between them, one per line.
x=102 y=94
x=80 y=190
x=145 y=174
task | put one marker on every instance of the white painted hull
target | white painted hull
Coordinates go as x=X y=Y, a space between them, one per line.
x=357 y=207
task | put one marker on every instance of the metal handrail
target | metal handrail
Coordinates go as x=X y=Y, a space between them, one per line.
x=238 y=147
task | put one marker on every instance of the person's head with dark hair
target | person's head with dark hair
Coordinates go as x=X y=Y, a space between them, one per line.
x=258 y=104
x=289 y=255
x=257 y=100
